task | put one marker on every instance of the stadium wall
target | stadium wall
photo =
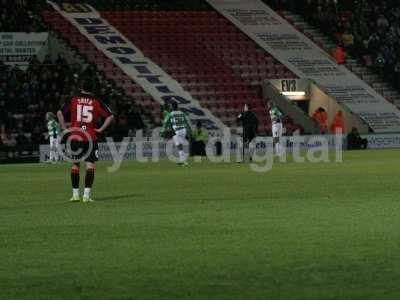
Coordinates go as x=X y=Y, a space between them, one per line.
x=154 y=149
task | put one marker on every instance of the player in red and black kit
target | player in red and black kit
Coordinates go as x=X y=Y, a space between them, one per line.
x=83 y=111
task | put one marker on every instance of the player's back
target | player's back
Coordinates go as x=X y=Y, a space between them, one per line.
x=85 y=111
x=178 y=120
x=53 y=128
x=275 y=114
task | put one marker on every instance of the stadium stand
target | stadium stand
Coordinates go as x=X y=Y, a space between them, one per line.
x=21 y=16
x=218 y=64
x=102 y=63
x=215 y=62
x=368 y=31
x=148 y=5
x=26 y=96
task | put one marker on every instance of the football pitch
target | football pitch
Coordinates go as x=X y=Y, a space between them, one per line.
x=206 y=231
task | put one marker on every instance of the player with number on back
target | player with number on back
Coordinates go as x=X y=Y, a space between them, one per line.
x=180 y=124
x=83 y=112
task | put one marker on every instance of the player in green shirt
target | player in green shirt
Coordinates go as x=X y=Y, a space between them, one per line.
x=180 y=124
x=277 y=127
x=54 y=131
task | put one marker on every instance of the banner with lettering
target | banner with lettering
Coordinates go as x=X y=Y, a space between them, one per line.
x=17 y=48
x=307 y=60
x=162 y=87
x=158 y=148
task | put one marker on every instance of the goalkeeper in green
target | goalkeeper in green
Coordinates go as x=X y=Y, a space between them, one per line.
x=180 y=124
x=54 y=131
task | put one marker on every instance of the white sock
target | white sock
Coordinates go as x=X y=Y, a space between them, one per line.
x=75 y=193
x=182 y=156
x=277 y=149
x=86 y=192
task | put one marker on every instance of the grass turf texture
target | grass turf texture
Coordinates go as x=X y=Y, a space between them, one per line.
x=207 y=231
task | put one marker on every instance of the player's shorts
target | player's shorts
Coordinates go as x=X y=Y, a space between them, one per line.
x=249 y=136
x=180 y=137
x=277 y=129
x=81 y=151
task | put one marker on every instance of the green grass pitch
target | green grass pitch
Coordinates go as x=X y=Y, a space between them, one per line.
x=207 y=231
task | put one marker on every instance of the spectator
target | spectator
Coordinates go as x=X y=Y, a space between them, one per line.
x=199 y=140
x=348 y=41
x=21 y=140
x=60 y=60
x=26 y=96
x=382 y=22
x=6 y=137
x=135 y=121
x=339 y=55
x=337 y=126
x=37 y=137
x=372 y=34
x=321 y=117
x=354 y=140
x=396 y=77
x=21 y=16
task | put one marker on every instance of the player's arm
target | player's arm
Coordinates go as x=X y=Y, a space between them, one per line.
x=256 y=122
x=106 y=124
x=63 y=111
x=188 y=124
x=106 y=113
x=61 y=119
x=165 y=123
x=205 y=135
x=187 y=121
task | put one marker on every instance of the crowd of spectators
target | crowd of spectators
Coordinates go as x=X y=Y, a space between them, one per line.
x=26 y=96
x=121 y=5
x=310 y=5
x=21 y=16
x=367 y=30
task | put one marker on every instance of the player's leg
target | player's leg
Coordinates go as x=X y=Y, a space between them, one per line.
x=179 y=139
x=75 y=182
x=90 y=169
x=51 y=156
x=275 y=138
x=75 y=147
x=252 y=146
x=89 y=179
x=56 y=145
x=244 y=145
x=181 y=153
x=279 y=150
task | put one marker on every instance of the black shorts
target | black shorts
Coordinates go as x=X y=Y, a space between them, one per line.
x=249 y=136
x=81 y=151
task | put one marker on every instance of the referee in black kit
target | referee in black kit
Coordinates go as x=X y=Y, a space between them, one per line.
x=250 y=127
